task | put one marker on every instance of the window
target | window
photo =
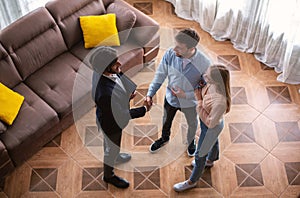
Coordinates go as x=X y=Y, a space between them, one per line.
x=11 y=10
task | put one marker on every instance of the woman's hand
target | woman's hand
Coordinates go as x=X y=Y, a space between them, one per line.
x=204 y=116
x=198 y=94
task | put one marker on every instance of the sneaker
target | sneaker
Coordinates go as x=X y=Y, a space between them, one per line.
x=191 y=149
x=179 y=187
x=193 y=163
x=208 y=163
x=156 y=146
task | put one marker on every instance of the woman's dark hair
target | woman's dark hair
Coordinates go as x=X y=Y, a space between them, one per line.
x=220 y=74
x=189 y=37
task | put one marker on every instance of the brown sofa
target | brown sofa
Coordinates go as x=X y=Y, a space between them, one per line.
x=42 y=57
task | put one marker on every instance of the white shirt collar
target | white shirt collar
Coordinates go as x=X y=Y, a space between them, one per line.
x=112 y=77
x=115 y=78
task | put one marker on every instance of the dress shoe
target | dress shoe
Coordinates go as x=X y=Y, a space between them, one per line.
x=117 y=181
x=122 y=158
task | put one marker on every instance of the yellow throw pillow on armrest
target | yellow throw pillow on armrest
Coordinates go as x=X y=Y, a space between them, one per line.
x=100 y=30
x=10 y=104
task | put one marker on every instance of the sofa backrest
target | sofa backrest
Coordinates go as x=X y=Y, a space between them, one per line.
x=67 y=13
x=9 y=75
x=107 y=2
x=32 y=41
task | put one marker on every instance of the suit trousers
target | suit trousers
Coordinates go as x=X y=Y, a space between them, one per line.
x=111 y=145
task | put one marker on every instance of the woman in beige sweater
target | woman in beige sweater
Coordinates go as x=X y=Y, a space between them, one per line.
x=213 y=102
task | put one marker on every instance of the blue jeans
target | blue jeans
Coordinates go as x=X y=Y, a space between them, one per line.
x=208 y=148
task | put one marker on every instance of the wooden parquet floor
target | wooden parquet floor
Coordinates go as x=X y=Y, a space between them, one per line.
x=259 y=146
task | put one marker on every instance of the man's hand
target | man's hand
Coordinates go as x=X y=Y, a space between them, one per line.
x=147 y=105
x=179 y=93
x=148 y=102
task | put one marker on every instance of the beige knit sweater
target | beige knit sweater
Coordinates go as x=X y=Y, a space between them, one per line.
x=211 y=105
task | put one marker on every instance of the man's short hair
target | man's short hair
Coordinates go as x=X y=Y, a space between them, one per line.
x=102 y=58
x=189 y=37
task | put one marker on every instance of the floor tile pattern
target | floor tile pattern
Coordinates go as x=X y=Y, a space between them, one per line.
x=43 y=179
x=231 y=61
x=259 y=146
x=146 y=178
x=145 y=7
x=92 y=179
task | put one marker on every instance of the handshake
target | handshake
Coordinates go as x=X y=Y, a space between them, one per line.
x=148 y=102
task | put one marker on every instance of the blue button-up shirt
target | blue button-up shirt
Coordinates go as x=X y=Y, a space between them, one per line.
x=186 y=79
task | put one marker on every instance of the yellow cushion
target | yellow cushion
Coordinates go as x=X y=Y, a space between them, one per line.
x=10 y=104
x=99 y=30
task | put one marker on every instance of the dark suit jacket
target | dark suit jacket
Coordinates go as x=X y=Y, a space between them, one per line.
x=112 y=104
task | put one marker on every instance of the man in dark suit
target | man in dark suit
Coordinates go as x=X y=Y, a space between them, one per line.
x=112 y=92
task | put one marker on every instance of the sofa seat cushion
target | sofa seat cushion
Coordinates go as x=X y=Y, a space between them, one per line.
x=35 y=118
x=54 y=83
x=130 y=56
x=81 y=52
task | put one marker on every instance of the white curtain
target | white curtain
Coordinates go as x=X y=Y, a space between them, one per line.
x=11 y=10
x=267 y=28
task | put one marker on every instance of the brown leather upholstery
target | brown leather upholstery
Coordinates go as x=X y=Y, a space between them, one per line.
x=107 y=2
x=33 y=41
x=55 y=81
x=8 y=67
x=43 y=58
x=144 y=33
x=35 y=119
x=145 y=28
x=66 y=15
x=6 y=165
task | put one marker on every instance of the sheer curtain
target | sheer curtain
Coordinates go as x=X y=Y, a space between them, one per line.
x=268 y=28
x=11 y=10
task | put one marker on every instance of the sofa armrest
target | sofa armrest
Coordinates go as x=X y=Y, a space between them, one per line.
x=144 y=29
x=6 y=165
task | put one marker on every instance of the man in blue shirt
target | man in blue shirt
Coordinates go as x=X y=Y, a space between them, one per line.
x=184 y=66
